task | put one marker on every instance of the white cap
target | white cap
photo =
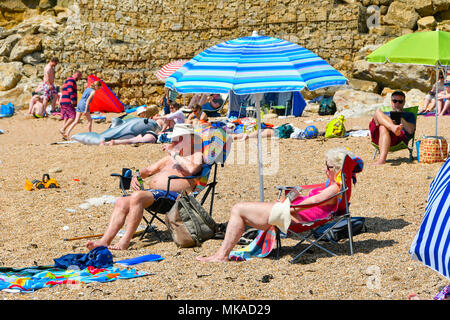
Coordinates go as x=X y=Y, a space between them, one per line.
x=140 y=110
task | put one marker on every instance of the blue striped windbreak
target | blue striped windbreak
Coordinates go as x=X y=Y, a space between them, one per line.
x=431 y=245
x=255 y=64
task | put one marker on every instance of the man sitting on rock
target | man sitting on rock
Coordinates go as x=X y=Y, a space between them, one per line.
x=386 y=132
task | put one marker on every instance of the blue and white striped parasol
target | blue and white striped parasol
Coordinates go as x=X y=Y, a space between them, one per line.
x=255 y=64
x=431 y=246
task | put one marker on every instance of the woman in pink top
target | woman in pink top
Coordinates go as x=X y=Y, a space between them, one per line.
x=257 y=214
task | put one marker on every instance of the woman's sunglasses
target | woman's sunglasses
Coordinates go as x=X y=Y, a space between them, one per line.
x=328 y=167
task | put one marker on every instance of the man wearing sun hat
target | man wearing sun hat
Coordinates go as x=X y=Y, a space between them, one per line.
x=184 y=159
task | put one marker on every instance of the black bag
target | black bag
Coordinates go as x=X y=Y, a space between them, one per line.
x=327 y=106
x=340 y=230
x=189 y=223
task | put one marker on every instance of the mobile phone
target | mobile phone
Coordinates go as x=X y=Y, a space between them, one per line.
x=293 y=194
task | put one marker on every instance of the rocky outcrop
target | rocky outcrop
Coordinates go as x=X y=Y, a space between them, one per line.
x=125 y=42
x=11 y=74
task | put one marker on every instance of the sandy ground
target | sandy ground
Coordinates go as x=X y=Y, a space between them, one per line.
x=392 y=198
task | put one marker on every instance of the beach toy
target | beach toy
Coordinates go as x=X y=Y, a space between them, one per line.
x=28 y=185
x=122 y=129
x=45 y=183
x=311 y=132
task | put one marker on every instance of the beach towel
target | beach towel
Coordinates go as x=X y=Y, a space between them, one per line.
x=35 y=278
x=141 y=259
x=258 y=248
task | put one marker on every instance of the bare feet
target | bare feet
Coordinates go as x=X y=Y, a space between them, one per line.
x=119 y=246
x=64 y=135
x=378 y=163
x=94 y=244
x=110 y=142
x=397 y=129
x=413 y=296
x=212 y=258
x=242 y=138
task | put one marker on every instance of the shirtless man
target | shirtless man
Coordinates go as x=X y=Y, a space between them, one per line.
x=385 y=133
x=183 y=160
x=49 y=88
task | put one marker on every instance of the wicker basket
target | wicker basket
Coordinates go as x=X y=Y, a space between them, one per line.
x=433 y=149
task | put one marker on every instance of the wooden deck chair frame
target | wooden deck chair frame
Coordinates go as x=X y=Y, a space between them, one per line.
x=401 y=145
x=335 y=217
x=163 y=204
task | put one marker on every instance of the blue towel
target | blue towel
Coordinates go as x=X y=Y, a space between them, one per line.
x=141 y=259
x=99 y=257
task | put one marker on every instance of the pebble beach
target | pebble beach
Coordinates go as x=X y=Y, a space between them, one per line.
x=391 y=197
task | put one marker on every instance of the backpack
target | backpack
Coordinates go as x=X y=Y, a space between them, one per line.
x=284 y=131
x=335 y=128
x=6 y=110
x=327 y=106
x=340 y=230
x=189 y=223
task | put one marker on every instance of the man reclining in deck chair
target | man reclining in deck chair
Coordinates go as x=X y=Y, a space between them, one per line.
x=184 y=159
x=258 y=214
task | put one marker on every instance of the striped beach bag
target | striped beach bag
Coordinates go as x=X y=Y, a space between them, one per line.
x=433 y=149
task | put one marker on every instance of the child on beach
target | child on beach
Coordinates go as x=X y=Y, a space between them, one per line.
x=168 y=121
x=83 y=107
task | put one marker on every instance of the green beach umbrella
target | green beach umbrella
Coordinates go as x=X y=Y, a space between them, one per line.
x=430 y=48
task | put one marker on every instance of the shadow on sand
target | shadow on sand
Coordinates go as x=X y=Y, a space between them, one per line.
x=374 y=226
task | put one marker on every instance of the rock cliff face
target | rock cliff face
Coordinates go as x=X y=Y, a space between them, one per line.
x=125 y=42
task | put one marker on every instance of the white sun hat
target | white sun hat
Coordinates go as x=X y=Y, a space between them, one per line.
x=181 y=129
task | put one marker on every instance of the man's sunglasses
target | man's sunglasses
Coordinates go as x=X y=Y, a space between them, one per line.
x=398 y=101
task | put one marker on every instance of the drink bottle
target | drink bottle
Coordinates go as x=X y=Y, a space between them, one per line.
x=139 y=178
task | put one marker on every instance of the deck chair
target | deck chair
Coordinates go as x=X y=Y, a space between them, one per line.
x=340 y=213
x=215 y=147
x=401 y=145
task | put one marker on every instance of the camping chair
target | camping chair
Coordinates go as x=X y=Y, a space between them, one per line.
x=401 y=145
x=341 y=212
x=215 y=147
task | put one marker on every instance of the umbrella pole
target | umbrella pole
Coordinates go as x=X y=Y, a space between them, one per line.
x=436 y=102
x=258 y=126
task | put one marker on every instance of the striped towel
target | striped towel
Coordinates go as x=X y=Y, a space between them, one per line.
x=258 y=248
